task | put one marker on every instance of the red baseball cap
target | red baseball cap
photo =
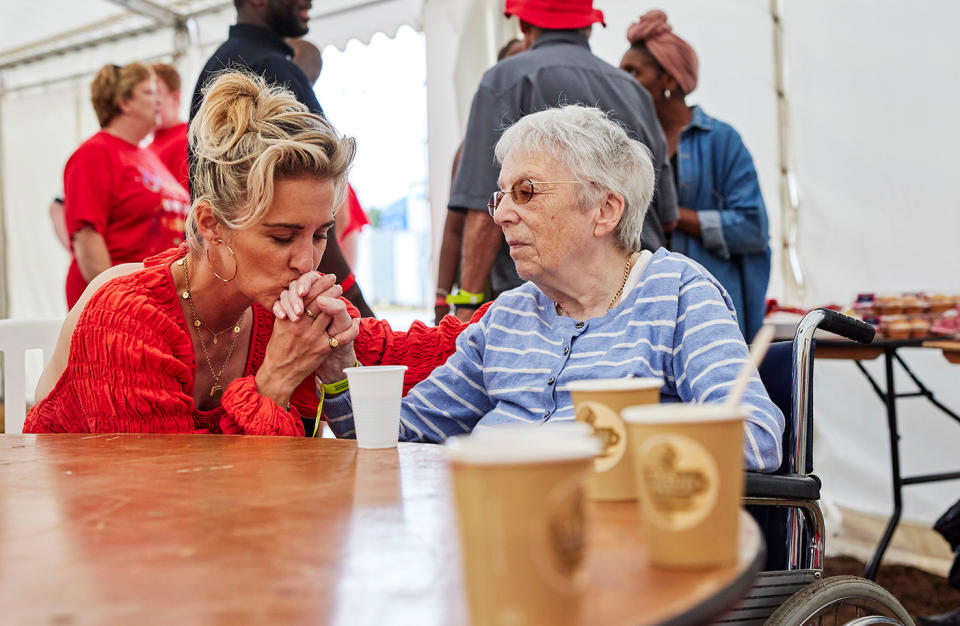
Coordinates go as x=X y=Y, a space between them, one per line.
x=555 y=14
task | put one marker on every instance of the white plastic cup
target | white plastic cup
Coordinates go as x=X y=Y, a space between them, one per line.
x=375 y=392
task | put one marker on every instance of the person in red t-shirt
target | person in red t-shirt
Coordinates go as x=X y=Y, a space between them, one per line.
x=121 y=203
x=170 y=138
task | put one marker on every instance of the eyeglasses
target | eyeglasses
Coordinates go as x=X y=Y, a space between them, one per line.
x=523 y=191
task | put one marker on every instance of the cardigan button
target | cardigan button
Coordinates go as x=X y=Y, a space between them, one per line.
x=552 y=380
x=566 y=350
x=579 y=324
x=546 y=415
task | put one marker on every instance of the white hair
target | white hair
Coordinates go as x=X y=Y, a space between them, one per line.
x=597 y=150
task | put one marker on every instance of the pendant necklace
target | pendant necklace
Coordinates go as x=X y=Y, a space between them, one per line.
x=217 y=389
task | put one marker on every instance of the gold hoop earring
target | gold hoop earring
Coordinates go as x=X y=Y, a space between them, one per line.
x=235 y=266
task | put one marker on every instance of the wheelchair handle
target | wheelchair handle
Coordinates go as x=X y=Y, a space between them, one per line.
x=802 y=365
x=846 y=326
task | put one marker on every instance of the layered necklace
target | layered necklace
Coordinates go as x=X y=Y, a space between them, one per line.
x=616 y=296
x=217 y=389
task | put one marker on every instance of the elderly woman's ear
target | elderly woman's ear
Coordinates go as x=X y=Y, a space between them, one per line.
x=609 y=214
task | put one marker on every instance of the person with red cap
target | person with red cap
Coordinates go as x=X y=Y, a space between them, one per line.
x=557 y=69
x=723 y=221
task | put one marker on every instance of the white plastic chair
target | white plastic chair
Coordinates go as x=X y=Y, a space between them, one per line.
x=16 y=337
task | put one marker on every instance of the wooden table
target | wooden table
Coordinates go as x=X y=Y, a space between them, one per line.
x=179 y=529
x=950 y=348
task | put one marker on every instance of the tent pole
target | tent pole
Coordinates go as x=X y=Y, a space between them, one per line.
x=4 y=308
x=793 y=277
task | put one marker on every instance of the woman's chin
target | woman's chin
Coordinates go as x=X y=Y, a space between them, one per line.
x=526 y=272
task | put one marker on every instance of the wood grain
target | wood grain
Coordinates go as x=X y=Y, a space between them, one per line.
x=187 y=529
x=951 y=349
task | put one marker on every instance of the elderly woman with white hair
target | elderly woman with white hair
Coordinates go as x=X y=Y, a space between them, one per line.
x=574 y=191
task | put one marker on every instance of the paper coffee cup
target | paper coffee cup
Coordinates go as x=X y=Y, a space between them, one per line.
x=688 y=465
x=522 y=519
x=375 y=393
x=599 y=403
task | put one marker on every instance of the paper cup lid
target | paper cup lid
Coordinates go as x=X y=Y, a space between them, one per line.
x=614 y=384
x=683 y=412
x=506 y=445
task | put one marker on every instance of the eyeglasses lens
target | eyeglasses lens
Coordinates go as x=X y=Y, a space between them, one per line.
x=522 y=191
x=494 y=201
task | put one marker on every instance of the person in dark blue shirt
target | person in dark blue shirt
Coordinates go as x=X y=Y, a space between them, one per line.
x=723 y=221
x=256 y=43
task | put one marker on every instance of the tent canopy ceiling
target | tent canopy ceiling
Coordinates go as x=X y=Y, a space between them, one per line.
x=69 y=25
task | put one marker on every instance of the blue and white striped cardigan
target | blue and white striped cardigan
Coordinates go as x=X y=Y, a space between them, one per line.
x=512 y=366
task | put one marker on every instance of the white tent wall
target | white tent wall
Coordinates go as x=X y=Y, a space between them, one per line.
x=874 y=154
x=38 y=263
x=866 y=83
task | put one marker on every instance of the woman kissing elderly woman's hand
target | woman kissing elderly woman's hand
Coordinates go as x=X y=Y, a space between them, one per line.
x=314 y=299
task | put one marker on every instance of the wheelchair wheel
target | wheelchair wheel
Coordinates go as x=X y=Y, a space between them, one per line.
x=838 y=600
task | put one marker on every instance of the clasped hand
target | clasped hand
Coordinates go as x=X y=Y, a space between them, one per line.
x=312 y=332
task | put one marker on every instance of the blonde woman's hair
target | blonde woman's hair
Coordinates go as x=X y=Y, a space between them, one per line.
x=112 y=84
x=246 y=135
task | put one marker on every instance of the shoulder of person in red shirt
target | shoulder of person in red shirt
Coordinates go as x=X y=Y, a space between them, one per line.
x=88 y=181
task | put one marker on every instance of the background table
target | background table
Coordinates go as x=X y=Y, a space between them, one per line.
x=110 y=529
x=888 y=348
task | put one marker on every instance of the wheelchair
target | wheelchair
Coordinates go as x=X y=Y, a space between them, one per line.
x=792 y=590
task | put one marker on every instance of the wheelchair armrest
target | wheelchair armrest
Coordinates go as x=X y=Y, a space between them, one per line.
x=787 y=486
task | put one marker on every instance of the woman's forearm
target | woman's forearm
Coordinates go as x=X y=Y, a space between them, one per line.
x=90 y=250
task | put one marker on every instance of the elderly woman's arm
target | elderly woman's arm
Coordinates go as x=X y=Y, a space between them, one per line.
x=450 y=402
x=708 y=353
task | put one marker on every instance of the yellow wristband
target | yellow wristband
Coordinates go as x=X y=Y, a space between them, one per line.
x=334 y=388
x=323 y=390
x=338 y=387
x=465 y=297
x=316 y=422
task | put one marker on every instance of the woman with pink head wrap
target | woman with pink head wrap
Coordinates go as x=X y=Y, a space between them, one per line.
x=723 y=222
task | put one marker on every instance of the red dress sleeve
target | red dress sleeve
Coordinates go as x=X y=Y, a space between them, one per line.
x=247 y=412
x=127 y=371
x=422 y=348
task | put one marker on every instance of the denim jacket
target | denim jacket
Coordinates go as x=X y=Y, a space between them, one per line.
x=716 y=178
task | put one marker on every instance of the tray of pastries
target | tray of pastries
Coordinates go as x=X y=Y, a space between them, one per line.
x=915 y=315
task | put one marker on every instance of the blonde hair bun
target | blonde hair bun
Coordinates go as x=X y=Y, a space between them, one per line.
x=245 y=135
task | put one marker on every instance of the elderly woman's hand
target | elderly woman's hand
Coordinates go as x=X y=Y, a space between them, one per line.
x=341 y=330
x=291 y=303
x=312 y=333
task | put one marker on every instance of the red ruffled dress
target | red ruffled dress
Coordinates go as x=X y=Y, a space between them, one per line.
x=131 y=365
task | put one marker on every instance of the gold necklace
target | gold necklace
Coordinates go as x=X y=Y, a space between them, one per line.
x=616 y=296
x=216 y=390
